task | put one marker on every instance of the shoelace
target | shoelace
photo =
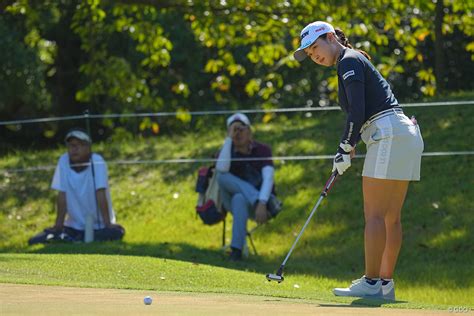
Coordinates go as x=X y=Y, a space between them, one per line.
x=358 y=280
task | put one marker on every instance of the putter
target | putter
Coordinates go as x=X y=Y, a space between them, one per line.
x=279 y=275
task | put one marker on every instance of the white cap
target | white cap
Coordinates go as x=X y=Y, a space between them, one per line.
x=241 y=117
x=309 y=35
x=79 y=135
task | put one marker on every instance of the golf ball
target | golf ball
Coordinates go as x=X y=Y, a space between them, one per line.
x=147 y=300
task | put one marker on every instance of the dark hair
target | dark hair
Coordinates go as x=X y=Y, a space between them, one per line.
x=341 y=38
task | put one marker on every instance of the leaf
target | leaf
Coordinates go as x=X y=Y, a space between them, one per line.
x=236 y=70
x=470 y=47
x=410 y=52
x=155 y=127
x=49 y=133
x=267 y=117
x=180 y=88
x=213 y=65
x=183 y=115
x=252 y=87
x=144 y=124
x=421 y=37
x=221 y=83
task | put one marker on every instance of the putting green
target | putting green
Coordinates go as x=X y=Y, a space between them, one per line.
x=16 y=299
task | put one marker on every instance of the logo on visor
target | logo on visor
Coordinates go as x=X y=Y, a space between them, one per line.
x=320 y=29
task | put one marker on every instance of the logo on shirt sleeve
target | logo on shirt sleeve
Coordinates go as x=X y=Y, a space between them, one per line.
x=348 y=74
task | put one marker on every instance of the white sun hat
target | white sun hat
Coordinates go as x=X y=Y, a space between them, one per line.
x=241 y=117
x=79 y=134
x=309 y=35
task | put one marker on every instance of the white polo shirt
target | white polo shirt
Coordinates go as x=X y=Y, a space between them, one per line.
x=79 y=190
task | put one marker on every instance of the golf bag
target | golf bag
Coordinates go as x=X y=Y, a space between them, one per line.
x=209 y=206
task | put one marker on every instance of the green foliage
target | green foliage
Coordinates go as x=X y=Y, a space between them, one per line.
x=121 y=79
x=22 y=70
x=137 y=56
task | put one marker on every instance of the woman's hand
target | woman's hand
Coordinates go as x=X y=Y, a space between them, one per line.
x=353 y=153
x=342 y=159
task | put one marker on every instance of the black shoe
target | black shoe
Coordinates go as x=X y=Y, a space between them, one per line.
x=235 y=254
x=274 y=205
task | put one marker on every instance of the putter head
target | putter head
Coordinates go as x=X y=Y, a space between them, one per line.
x=275 y=277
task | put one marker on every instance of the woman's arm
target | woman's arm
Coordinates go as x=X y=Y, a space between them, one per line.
x=355 y=92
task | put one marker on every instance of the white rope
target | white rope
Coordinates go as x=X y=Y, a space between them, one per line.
x=219 y=112
x=6 y=172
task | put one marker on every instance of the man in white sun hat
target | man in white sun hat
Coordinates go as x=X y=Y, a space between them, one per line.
x=246 y=187
x=84 y=206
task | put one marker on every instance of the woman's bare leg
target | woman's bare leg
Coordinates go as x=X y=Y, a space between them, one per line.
x=393 y=227
x=383 y=201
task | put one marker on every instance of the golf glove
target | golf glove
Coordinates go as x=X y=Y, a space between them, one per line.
x=342 y=159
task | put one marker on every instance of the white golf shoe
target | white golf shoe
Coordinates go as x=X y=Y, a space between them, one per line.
x=361 y=288
x=388 y=289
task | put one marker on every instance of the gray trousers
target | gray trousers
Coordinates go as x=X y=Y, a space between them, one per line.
x=239 y=197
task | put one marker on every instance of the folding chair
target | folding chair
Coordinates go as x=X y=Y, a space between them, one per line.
x=245 y=250
x=211 y=211
x=276 y=207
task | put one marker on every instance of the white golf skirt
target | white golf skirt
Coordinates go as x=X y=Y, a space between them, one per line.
x=394 y=146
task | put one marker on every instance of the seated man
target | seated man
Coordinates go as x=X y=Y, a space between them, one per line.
x=246 y=186
x=84 y=208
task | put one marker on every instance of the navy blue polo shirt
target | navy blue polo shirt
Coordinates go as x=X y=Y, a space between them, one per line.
x=363 y=92
x=251 y=170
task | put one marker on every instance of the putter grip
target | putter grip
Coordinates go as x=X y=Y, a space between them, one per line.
x=330 y=183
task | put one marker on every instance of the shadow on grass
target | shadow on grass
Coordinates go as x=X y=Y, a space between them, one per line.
x=368 y=302
x=175 y=251
x=364 y=303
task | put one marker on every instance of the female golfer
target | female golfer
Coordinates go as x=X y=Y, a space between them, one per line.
x=394 y=148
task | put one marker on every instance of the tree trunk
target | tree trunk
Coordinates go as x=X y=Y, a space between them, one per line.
x=440 y=70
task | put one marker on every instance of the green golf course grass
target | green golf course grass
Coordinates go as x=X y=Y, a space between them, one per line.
x=167 y=248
